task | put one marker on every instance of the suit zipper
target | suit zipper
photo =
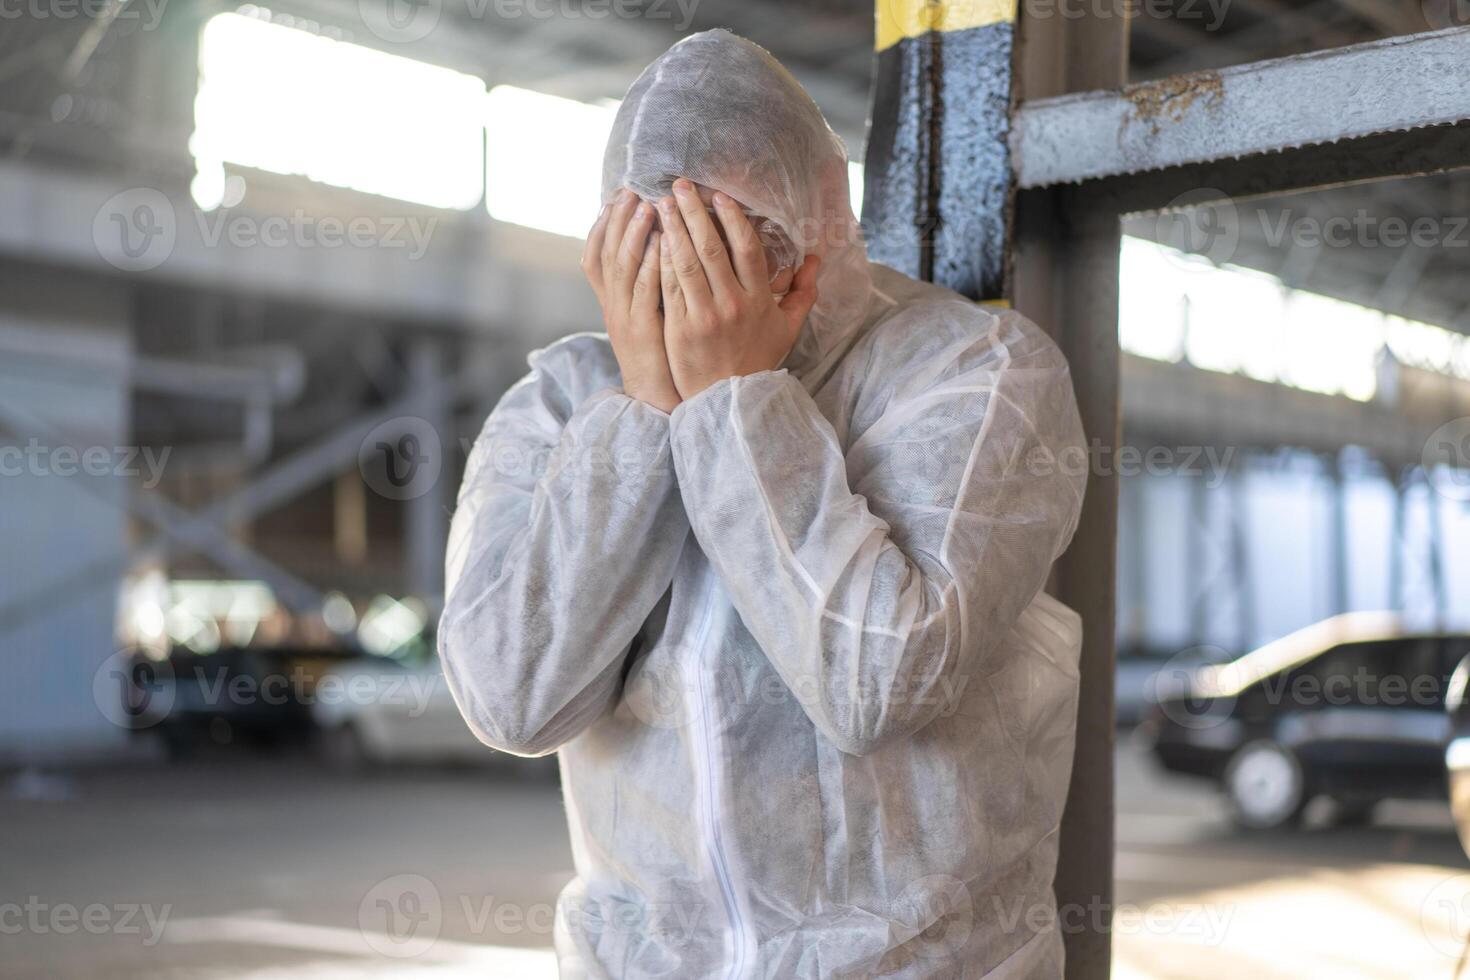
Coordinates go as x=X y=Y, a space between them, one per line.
x=706 y=768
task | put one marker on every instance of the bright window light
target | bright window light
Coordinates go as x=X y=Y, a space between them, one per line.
x=1150 y=319
x=543 y=166
x=855 y=186
x=1331 y=346
x=285 y=100
x=1174 y=306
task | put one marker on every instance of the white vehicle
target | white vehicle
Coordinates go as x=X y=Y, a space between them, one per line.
x=381 y=710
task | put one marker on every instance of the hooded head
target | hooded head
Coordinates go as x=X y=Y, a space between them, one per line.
x=722 y=112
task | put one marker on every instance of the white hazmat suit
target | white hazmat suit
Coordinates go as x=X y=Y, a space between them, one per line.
x=815 y=714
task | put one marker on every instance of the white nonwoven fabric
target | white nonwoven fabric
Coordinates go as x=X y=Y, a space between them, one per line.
x=814 y=712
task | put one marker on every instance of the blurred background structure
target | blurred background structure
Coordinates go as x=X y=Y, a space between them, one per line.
x=264 y=271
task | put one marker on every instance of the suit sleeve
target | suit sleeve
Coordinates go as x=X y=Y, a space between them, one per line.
x=877 y=576
x=565 y=537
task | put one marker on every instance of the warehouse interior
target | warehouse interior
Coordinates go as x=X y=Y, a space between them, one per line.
x=251 y=321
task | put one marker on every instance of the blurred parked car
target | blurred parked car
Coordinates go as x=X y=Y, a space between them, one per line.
x=1353 y=708
x=384 y=710
x=239 y=696
x=1140 y=671
x=390 y=711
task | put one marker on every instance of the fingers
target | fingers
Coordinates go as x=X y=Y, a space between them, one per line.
x=646 y=288
x=746 y=251
x=673 y=296
x=592 y=251
x=619 y=215
x=683 y=256
x=798 y=302
x=706 y=237
x=632 y=250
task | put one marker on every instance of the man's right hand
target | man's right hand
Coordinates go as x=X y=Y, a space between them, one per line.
x=621 y=262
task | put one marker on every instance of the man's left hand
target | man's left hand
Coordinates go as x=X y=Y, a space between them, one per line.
x=720 y=318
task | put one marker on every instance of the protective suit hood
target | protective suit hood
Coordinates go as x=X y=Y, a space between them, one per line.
x=721 y=111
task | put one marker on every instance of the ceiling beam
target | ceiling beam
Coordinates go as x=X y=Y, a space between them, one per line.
x=1264 y=107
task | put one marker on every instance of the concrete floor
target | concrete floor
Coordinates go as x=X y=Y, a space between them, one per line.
x=262 y=871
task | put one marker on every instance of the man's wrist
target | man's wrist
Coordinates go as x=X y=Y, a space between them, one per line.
x=663 y=400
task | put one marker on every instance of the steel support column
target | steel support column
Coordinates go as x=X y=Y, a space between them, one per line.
x=1065 y=277
x=937 y=184
x=938 y=205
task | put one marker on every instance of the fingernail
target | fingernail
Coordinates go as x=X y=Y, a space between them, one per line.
x=682 y=187
x=644 y=210
x=666 y=205
x=625 y=195
x=722 y=198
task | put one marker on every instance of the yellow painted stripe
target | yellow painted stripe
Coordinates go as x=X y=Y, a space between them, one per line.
x=898 y=19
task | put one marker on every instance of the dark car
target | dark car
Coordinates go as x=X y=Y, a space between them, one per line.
x=253 y=697
x=1353 y=708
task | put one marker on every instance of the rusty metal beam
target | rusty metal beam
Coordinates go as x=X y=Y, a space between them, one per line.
x=1259 y=108
x=1416 y=152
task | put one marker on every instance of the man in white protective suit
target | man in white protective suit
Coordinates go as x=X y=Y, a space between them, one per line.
x=764 y=563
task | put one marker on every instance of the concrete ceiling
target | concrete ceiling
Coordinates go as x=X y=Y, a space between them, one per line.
x=90 y=95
